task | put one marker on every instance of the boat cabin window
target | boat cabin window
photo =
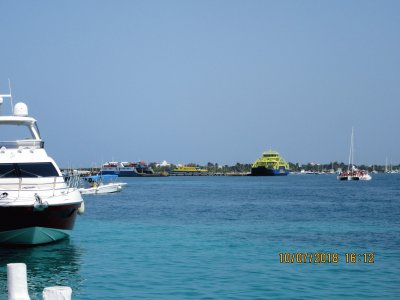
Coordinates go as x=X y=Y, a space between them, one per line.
x=8 y=170
x=46 y=169
x=11 y=132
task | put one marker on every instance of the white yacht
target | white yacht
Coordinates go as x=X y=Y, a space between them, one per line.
x=37 y=205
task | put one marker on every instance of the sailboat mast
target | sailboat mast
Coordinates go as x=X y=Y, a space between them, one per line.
x=351 y=152
x=386 y=168
x=352 y=147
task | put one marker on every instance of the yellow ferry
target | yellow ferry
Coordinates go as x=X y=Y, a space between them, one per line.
x=270 y=164
x=188 y=171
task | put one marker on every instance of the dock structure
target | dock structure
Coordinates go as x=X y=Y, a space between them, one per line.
x=17 y=285
x=17 y=282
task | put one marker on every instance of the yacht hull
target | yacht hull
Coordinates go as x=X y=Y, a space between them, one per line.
x=363 y=177
x=348 y=178
x=24 y=225
x=31 y=236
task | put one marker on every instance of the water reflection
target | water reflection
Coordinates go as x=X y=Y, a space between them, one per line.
x=48 y=265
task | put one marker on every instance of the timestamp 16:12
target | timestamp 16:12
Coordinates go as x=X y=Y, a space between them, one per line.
x=367 y=258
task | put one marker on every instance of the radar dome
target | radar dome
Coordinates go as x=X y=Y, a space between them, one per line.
x=20 y=110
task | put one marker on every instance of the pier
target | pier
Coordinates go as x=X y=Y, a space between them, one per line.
x=17 y=285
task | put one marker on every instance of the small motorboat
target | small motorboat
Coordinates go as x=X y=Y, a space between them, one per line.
x=101 y=184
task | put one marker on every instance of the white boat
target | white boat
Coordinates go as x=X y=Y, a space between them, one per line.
x=37 y=205
x=390 y=170
x=101 y=184
x=352 y=172
x=373 y=170
x=127 y=169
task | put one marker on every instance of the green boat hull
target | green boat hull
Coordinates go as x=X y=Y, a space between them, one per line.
x=32 y=236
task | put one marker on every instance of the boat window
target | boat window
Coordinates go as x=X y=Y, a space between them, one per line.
x=46 y=169
x=37 y=170
x=11 y=132
x=8 y=170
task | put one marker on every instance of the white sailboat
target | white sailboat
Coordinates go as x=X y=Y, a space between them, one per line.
x=352 y=172
x=373 y=170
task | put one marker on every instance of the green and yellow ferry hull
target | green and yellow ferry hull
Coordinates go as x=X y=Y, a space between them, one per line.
x=262 y=171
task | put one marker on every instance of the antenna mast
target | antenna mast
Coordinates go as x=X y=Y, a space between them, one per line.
x=9 y=87
x=5 y=96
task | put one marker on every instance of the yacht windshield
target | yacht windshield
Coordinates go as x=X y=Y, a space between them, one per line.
x=12 y=132
x=46 y=169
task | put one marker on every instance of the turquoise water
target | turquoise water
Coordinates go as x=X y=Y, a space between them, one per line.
x=220 y=238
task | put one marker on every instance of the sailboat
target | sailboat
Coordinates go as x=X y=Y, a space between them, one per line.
x=373 y=170
x=352 y=172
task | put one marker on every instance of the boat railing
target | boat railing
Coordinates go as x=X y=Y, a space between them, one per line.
x=49 y=186
x=73 y=182
x=20 y=144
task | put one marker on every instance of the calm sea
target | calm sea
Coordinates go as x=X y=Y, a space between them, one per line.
x=220 y=238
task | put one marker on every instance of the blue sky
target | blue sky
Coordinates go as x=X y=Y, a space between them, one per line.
x=200 y=81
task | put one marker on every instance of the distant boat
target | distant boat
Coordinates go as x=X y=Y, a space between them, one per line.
x=270 y=164
x=127 y=169
x=101 y=184
x=373 y=170
x=352 y=172
x=390 y=170
x=188 y=171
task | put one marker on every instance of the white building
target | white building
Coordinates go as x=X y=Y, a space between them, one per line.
x=163 y=164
